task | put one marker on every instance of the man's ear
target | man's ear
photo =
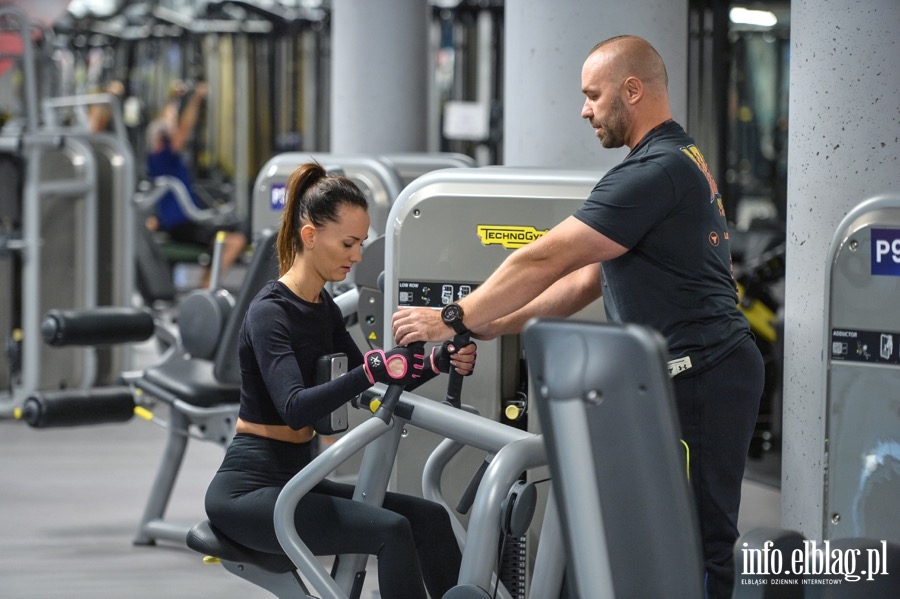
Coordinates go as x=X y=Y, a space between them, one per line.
x=634 y=90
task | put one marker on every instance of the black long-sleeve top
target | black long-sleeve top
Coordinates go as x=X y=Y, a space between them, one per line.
x=281 y=339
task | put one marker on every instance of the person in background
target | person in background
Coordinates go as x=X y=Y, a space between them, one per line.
x=100 y=116
x=167 y=137
x=291 y=323
x=652 y=239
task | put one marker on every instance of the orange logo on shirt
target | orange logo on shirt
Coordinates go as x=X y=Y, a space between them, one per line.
x=694 y=154
x=714 y=238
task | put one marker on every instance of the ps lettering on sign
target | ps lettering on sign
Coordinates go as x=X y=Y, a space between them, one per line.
x=886 y=252
x=276 y=197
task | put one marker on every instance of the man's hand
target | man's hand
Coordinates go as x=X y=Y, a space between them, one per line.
x=419 y=324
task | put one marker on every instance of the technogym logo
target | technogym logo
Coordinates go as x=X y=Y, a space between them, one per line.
x=815 y=564
x=509 y=236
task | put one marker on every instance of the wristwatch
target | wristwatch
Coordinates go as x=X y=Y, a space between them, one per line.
x=452 y=315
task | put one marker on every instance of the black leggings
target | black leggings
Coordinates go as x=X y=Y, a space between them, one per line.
x=718 y=410
x=411 y=537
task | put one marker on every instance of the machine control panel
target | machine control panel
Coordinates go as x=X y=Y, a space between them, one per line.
x=432 y=294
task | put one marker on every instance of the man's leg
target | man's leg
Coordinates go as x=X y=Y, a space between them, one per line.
x=718 y=409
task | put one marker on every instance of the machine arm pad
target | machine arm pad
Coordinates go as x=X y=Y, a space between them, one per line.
x=97 y=326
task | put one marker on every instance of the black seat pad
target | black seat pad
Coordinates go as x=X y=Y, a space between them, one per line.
x=192 y=381
x=206 y=539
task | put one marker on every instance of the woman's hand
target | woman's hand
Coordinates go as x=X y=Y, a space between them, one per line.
x=445 y=356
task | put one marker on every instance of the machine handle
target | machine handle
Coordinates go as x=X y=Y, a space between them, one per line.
x=468 y=496
x=389 y=402
x=454 y=386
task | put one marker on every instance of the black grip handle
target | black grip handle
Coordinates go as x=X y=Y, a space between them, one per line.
x=388 y=403
x=97 y=326
x=468 y=496
x=454 y=386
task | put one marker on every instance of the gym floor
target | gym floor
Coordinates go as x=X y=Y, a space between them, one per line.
x=71 y=500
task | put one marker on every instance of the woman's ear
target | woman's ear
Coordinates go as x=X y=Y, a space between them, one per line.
x=308 y=236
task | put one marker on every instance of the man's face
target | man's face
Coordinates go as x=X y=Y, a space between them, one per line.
x=603 y=105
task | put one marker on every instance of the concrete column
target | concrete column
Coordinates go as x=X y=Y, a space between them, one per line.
x=546 y=44
x=843 y=149
x=379 y=76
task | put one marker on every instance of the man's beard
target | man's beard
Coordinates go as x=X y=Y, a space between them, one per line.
x=615 y=126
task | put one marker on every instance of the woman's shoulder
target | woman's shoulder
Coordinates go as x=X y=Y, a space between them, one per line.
x=268 y=301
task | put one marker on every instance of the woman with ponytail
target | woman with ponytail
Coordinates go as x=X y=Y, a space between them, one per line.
x=289 y=325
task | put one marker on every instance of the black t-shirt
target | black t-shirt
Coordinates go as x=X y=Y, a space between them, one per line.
x=281 y=339
x=664 y=206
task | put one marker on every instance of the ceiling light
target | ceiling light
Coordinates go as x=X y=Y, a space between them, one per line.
x=760 y=18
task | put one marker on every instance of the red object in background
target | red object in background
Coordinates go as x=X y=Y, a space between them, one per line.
x=40 y=13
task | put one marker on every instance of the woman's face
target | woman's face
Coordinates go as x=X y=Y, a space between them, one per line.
x=337 y=245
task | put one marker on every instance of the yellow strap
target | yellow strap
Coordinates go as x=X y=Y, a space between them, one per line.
x=687 y=458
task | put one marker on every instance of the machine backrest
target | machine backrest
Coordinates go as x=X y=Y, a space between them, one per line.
x=606 y=408
x=263 y=268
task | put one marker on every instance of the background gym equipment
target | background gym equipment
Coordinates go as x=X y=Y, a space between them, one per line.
x=197 y=377
x=862 y=340
x=66 y=224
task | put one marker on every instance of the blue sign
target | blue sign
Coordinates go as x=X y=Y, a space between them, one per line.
x=886 y=252
x=276 y=197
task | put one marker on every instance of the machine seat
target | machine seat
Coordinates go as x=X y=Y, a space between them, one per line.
x=191 y=381
x=206 y=539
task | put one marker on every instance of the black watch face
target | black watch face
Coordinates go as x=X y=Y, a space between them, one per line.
x=451 y=313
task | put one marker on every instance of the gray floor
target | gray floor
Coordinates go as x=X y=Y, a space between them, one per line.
x=71 y=500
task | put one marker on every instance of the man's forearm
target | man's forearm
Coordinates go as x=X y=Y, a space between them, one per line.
x=563 y=298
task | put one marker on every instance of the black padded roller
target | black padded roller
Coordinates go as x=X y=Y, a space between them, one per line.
x=75 y=407
x=97 y=326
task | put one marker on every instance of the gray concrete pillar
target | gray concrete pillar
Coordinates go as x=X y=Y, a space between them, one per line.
x=546 y=44
x=379 y=76
x=843 y=148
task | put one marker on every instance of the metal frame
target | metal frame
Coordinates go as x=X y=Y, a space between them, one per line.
x=514 y=451
x=845 y=263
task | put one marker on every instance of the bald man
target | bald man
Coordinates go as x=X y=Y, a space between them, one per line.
x=652 y=239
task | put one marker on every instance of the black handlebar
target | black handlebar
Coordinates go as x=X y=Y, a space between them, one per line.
x=454 y=386
x=389 y=403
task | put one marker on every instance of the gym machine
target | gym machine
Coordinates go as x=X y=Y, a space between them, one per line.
x=64 y=241
x=481 y=215
x=862 y=378
x=502 y=506
x=607 y=410
x=377 y=179
x=411 y=166
x=447 y=232
x=197 y=377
